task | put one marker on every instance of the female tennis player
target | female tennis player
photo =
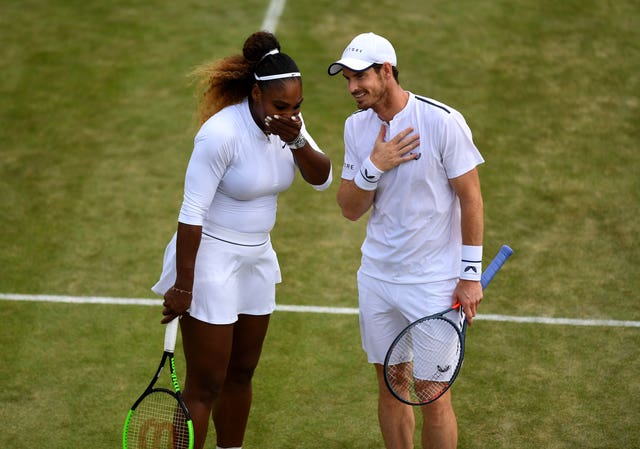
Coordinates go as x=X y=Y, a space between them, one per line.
x=220 y=269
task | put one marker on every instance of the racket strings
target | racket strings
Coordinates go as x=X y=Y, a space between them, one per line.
x=424 y=361
x=158 y=423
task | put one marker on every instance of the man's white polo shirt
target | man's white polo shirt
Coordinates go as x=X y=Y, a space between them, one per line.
x=413 y=233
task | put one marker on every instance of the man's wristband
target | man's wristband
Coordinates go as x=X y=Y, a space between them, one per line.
x=471 y=266
x=368 y=176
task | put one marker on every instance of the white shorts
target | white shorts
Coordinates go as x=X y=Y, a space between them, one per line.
x=387 y=308
x=230 y=279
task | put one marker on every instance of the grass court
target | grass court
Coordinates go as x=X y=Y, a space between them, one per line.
x=96 y=128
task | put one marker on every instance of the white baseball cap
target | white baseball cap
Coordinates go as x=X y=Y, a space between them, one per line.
x=364 y=51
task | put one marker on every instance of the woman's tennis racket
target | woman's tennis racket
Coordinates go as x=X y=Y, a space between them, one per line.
x=159 y=418
x=425 y=358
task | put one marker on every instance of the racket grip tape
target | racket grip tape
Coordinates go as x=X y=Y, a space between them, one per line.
x=170 y=335
x=495 y=265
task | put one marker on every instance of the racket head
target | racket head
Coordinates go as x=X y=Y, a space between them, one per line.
x=159 y=420
x=424 y=359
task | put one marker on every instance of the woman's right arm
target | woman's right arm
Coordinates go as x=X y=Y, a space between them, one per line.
x=206 y=167
x=178 y=298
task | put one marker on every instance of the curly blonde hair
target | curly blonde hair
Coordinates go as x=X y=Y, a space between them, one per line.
x=229 y=80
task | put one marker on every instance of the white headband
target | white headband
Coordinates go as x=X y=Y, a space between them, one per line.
x=272 y=52
x=276 y=77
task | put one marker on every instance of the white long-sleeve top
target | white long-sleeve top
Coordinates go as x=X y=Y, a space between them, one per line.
x=234 y=176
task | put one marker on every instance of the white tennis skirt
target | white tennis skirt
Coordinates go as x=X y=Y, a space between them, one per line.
x=229 y=280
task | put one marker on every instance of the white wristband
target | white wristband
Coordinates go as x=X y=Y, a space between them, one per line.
x=471 y=266
x=369 y=175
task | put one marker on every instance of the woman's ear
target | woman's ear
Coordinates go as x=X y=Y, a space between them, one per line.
x=256 y=93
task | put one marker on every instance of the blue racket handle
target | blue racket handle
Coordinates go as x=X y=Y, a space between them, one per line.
x=495 y=265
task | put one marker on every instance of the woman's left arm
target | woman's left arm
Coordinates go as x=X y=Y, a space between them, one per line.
x=314 y=165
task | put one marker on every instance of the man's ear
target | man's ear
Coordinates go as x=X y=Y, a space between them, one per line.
x=387 y=69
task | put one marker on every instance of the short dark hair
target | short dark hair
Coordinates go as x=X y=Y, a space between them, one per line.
x=394 y=70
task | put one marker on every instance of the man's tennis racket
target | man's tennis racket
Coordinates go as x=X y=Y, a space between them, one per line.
x=425 y=358
x=159 y=418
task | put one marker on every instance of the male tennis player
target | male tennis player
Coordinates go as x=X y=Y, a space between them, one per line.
x=412 y=161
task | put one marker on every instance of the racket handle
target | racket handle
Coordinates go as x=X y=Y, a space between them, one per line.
x=495 y=265
x=170 y=335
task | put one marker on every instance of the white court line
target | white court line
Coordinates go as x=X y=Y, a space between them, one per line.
x=272 y=17
x=548 y=320
x=312 y=309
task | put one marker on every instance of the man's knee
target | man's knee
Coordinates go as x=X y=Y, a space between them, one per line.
x=439 y=412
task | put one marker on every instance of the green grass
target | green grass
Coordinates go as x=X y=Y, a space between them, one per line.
x=96 y=127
